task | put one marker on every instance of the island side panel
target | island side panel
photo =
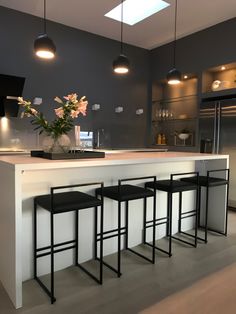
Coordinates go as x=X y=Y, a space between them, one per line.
x=10 y=233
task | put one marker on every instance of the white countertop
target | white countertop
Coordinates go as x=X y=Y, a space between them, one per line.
x=22 y=162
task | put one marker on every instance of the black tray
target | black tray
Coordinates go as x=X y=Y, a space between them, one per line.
x=70 y=155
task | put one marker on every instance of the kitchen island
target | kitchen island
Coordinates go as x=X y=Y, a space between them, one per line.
x=23 y=177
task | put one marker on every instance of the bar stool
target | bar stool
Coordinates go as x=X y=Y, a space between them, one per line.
x=210 y=182
x=58 y=203
x=172 y=186
x=123 y=193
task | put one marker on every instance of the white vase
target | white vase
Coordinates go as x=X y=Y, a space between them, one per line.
x=60 y=144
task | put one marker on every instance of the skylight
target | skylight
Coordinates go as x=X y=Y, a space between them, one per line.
x=135 y=11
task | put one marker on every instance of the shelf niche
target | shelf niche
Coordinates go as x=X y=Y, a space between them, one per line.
x=174 y=108
x=225 y=74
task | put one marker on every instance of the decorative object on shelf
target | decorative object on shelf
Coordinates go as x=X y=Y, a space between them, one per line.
x=68 y=110
x=174 y=76
x=161 y=139
x=121 y=63
x=119 y=109
x=164 y=114
x=44 y=47
x=183 y=135
x=96 y=107
x=220 y=85
x=139 y=111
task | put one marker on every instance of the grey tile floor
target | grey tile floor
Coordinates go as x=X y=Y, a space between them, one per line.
x=141 y=285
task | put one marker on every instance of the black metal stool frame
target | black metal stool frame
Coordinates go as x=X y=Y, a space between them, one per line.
x=168 y=219
x=55 y=248
x=124 y=230
x=208 y=186
x=188 y=214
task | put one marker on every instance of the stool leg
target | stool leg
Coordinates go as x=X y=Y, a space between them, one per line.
x=154 y=226
x=144 y=219
x=180 y=213
x=35 y=240
x=206 y=213
x=227 y=204
x=169 y=213
x=95 y=232
x=126 y=224
x=119 y=238
x=101 y=243
x=199 y=206
x=76 y=236
x=196 y=218
x=52 y=257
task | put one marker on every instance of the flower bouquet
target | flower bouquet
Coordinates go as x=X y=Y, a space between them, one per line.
x=57 y=129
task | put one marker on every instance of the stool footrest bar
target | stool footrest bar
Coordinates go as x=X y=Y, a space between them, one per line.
x=109 y=266
x=191 y=235
x=159 y=249
x=55 y=245
x=181 y=240
x=89 y=273
x=56 y=251
x=141 y=255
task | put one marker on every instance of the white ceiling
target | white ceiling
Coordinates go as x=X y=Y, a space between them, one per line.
x=88 y=15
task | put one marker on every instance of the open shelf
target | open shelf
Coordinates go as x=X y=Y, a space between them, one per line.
x=219 y=81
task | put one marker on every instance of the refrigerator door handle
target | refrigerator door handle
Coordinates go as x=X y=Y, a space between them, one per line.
x=218 y=127
x=215 y=129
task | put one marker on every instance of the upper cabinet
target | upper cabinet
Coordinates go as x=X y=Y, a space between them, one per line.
x=219 y=82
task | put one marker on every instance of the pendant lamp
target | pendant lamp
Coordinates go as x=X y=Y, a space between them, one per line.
x=121 y=63
x=174 y=76
x=44 y=47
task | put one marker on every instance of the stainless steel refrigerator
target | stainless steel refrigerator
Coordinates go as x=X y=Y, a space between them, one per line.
x=217 y=134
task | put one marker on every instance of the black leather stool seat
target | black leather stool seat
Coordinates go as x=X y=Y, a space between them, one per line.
x=172 y=186
x=206 y=181
x=67 y=201
x=125 y=192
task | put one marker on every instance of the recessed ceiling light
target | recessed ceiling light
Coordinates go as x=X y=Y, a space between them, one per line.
x=136 y=11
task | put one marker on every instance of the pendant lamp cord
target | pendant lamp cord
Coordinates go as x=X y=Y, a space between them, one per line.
x=121 y=29
x=44 y=17
x=174 y=57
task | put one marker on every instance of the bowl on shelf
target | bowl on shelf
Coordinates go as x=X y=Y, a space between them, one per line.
x=183 y=136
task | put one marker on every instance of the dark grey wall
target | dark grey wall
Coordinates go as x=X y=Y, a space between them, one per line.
x=194 y=53
x=83 y=65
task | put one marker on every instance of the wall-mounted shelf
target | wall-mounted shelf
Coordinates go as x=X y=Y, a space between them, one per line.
x=173 y=120
x=217 y=95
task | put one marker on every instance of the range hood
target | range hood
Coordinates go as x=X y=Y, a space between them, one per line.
x=11 y=87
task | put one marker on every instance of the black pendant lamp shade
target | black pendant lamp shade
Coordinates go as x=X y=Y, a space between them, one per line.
x=174 y=76
x=44 y=47
x=121 y=63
